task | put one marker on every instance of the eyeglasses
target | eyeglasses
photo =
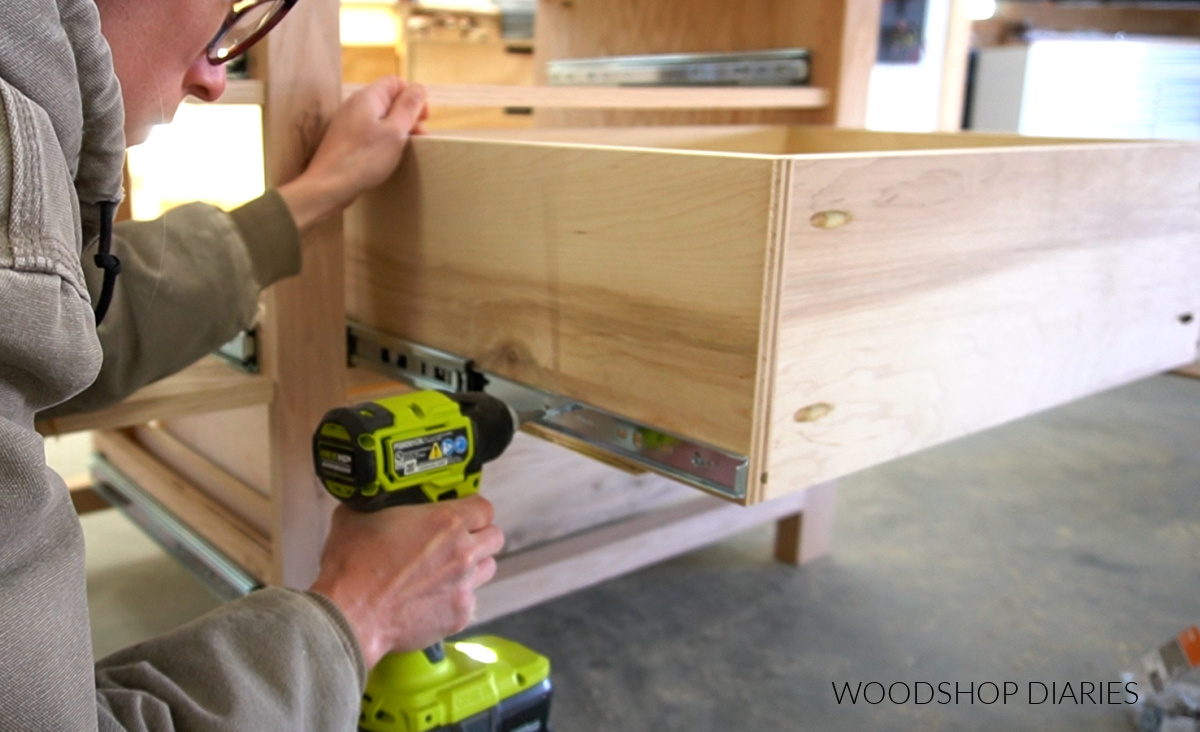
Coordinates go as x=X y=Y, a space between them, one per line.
x=248 y=21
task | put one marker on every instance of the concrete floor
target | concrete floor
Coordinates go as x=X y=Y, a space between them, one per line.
x=1057 y=549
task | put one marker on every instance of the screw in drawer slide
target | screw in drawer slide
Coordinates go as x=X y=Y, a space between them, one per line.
x=703 y=466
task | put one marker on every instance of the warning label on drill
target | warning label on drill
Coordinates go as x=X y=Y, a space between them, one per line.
x=336 y=460
x=430 y=452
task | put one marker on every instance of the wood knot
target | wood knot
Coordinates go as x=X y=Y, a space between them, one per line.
x=813 y=412
x=831 y=219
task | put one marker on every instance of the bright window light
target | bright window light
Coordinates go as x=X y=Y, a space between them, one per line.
x=368 y=25
x=211 y=153
x=980 y=9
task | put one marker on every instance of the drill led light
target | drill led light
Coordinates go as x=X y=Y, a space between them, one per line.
x=478 y=652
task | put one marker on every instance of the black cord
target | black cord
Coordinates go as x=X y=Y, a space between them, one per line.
x=105 y=260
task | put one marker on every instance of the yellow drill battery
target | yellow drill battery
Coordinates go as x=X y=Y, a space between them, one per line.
x=483 y=684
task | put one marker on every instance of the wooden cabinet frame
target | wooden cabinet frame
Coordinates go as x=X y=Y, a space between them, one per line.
x=214 y=468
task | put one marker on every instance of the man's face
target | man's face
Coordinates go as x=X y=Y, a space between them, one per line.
x=158 y=49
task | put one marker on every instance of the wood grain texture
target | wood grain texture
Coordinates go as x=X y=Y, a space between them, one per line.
x=240 y=499
x=1130 y=18
x=303 y=333
x=237 y=539
x=952 y=98
x=969 y=289
x=626 y=278
x=209 y=385
x=442 y=63
x=528 y=578
x=817 y=309
x=581 y=97
x=759 y=139
x=854 y=33
x=544 y=492
x=235 y=441
x=491 y=65
x=587 y=28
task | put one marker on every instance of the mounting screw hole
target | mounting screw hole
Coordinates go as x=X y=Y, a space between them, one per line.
x=1186 y=318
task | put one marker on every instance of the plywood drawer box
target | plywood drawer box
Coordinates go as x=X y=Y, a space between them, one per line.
x=816 y=300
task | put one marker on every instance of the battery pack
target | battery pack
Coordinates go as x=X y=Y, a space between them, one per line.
x=528 y=711
x=483 y=684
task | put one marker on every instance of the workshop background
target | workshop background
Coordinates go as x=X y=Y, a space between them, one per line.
x=1057 y=550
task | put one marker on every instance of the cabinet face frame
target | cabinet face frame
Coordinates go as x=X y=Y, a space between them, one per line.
x=818 y=311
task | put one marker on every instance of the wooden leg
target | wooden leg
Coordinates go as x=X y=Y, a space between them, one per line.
x=805 y=536
x=83 y=497
x=1192 y=369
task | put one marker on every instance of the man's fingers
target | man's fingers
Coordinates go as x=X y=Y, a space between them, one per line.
x=484 y=572
x=488 y=541
x=409 y=107
x=380 y=95
x=476 y=511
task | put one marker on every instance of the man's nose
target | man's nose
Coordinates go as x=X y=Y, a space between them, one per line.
x=204 y=81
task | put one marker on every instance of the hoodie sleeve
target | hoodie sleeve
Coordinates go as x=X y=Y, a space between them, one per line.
x=189 y=282
x=169 y=683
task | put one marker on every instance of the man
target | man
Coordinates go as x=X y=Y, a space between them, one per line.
x=278 y=659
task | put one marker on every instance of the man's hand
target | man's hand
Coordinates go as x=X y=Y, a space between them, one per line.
x=405 y=577
x=362 y=146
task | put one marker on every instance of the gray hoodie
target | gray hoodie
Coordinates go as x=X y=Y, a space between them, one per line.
x=277 y=660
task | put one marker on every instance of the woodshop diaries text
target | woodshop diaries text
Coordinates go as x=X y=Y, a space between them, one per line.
x=986 y=692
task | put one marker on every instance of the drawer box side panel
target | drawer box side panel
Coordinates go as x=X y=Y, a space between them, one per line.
x=969 y=289
x=628 y=279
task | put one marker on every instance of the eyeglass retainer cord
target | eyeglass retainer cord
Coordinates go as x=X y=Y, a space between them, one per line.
x=105 y=260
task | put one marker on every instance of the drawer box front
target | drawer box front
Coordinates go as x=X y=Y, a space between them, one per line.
x=817 y=300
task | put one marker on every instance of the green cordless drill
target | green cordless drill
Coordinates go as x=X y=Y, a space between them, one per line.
x=424 y=447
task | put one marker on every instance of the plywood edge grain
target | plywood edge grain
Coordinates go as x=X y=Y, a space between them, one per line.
x=210 y=385
x=764 y=387
x=599 y=97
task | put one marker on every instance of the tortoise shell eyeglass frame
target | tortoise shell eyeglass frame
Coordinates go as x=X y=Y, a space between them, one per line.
x=248 y=21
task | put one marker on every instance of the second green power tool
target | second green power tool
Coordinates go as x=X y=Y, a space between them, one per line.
x=425 y=447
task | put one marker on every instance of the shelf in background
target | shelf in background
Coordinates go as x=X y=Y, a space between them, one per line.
x=210 y=385
x=250 y=91
x=596 y=97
